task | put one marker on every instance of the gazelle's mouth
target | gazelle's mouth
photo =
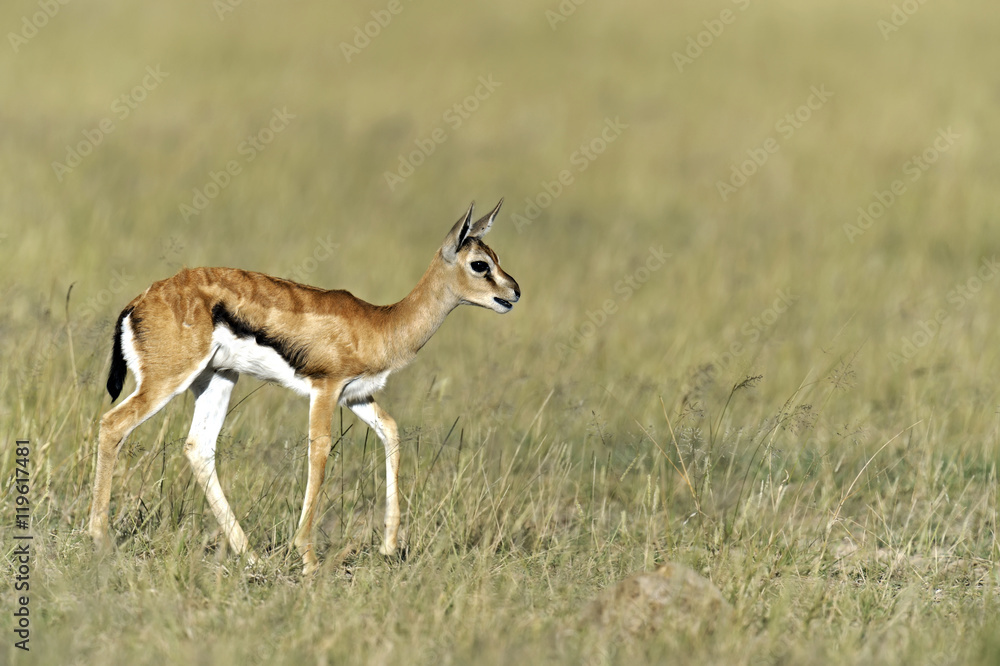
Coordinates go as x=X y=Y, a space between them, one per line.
x=502 y=302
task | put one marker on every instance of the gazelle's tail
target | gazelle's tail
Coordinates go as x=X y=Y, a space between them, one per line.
x=116 y=376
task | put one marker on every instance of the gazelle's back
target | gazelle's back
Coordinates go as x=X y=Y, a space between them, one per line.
x=229 y=313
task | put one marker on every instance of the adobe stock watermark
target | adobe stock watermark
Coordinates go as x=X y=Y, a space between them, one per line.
x=323 y=251
x=454 y=117
x=898 y=17
x=914 y=169
x=741 y=173
x=562 y=12
x=121 y=108
x=580 y=160
x=624 y=289
x=87 y=326
x=225 y=7
x=714 y=27
x=249 y=149
x=20 y=555
x=958 y=297
x=366 y=32
x=30 y=25
x=753 y=329
x=99 y=302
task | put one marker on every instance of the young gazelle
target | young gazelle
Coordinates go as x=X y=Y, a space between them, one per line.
x=203 y=327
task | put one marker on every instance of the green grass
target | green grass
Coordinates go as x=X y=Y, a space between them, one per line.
x=845 y=501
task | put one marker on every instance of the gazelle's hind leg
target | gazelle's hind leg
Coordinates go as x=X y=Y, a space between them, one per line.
x=212 y=391
x=116 y=425
x=383 y=425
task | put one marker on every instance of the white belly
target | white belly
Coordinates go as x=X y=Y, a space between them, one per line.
x=362 y=387
x=245 y=356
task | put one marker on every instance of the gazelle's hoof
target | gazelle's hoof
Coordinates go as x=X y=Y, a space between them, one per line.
x=310 y=564
x=394 y=550
x=102 y=542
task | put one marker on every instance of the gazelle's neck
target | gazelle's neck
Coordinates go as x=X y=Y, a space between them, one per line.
x=413 y=320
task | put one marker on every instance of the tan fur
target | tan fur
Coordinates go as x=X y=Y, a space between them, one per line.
x=335 y=337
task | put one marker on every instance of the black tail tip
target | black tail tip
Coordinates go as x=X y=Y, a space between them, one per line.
x=116 y=380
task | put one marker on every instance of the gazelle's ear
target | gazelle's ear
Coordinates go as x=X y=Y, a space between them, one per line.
x=457 y=235
x=483 y=224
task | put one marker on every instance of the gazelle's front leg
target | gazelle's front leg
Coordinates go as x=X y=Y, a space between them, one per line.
x=385 y=428
x=321 y=407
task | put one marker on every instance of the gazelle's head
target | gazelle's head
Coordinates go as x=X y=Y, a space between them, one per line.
x=475 y=276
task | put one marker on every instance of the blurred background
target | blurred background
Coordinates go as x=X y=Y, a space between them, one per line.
x=190 y=89
x=117 y=118
x=695 y=194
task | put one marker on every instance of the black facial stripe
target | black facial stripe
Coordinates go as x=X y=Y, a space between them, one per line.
x=293 y=354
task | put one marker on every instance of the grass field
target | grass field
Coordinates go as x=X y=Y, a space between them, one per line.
x=757 y=246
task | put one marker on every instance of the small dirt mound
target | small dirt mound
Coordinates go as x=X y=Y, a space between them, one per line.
x=671 y=599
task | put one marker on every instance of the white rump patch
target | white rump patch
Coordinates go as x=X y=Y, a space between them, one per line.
x=245 y=356
x=128 y=349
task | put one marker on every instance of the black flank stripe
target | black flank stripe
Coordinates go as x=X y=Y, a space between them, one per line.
x=294 y=355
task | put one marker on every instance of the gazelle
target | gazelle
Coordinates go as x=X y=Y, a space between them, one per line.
x=203 y=327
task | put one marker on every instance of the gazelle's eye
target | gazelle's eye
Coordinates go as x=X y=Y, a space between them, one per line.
x=479 y=266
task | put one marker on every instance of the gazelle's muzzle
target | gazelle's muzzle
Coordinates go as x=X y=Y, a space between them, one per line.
x=515 y=296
